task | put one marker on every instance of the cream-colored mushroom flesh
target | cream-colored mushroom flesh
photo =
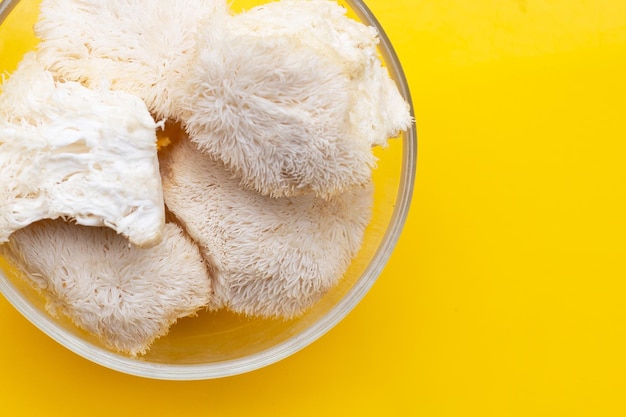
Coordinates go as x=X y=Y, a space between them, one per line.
x=291 y=96
x=125 y=295
x=272 y=257
x=69 y=151
x=143 y=47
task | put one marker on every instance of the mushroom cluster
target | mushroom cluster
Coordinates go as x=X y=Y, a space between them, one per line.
x=258 y=201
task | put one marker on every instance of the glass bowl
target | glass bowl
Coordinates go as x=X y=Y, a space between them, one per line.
x=219 y=344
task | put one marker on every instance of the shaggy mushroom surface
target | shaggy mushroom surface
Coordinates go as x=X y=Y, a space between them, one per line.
x=142 y=47
x=125 y=295
x=292 y=96
x=271 y=257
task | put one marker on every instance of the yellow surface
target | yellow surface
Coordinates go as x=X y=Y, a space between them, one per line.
x=505 y=295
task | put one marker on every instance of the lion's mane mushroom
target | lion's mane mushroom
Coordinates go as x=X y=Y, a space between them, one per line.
x=291 y=96
x=141 y=47
x=68 y=151
x=271 y=257
x=125 y=295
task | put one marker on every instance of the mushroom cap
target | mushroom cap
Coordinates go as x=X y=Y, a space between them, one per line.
x=291 y=96
x=143 y=47
x=68 y=151
x=377 y=110
x=125 y=295
x=271 y=257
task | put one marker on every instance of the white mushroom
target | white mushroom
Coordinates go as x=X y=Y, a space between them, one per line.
x=143 y=47
x=291 y=96
x=271 y=257
x=377 y=111
x=124 y=295
x=68 y=151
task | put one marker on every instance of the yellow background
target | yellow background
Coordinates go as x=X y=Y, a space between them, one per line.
x=505 y=294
